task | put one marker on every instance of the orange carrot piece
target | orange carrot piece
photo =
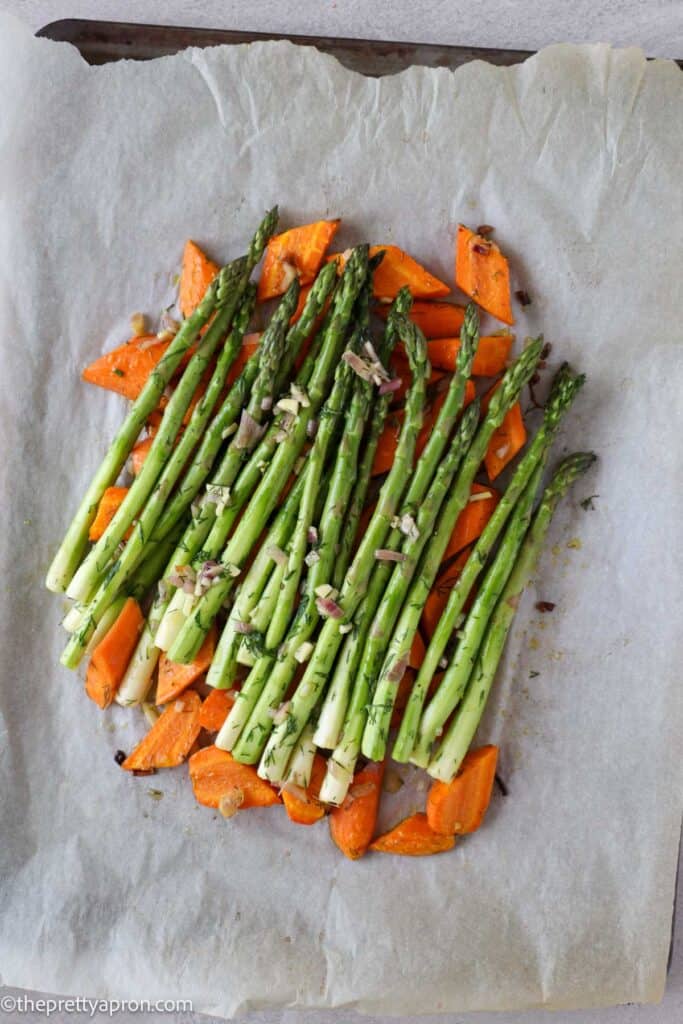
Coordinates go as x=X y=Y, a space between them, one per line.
x=125 y=369
x=417 y=652
x=352 y=825
x=298 y=253
x=196 y=274
x=171 y=738
x=506 y=442
x=473 y=518
x=438 y=597
x=109 y=505
x=402 y=695
x=140 y=452
x=215 y=710
x=435 y=319
x=413 y=837
x=302 y=805
x=96 y=687
x=398 y=269
x=174 y=677
x=111 y=656
x=489 y=360
x=483 y=273
x=459 y=807
x=216 y=777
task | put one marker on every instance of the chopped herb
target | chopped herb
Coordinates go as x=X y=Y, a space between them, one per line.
x=119 y=372
x=156 y=794
x=523 y=297
x=587 y=503
x=533 y=674
x=119 y=757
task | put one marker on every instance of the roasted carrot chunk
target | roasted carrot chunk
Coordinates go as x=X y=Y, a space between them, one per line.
x=302 y=805
x=402 y=694
x=413 y=837
x=506 y=442
x=111 y=656
x=170 y=739
x=353 y=824
x=417 y=652
x=473 y=518
x=126 y=369
x=489 y=360
x=106 y=510
x=196 y=274
x=438 y=596
x=174 y=677
x=459 y=807
x=215 y=709
x=220 y=781
x=139 y=454
x=435 y=319
x=397 y=270
x=482 y=272
x=298 y=253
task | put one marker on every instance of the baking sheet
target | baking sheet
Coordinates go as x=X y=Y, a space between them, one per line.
x=564 y=899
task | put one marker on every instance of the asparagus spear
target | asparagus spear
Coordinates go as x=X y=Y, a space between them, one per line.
x=192 y=633
x=336 y=699
x=237 y=398
x=230 y=285
x=128 y=559
x=72 y=547
x=250 y=720
x=279 y=674
x=387 y=608
x=564 y=389
x=201 y=461
x=274 y=760
x=239 y=450
x=449 y=756
x=454 y=681
x=202 y=522
x=400 y=307
x=315 y=463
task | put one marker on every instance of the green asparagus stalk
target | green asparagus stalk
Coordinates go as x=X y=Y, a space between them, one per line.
x=451 y=752
x=240 y=449
x=315 y=463
x=279 y=674
x=201 y=525
x=223 y=665
x=432 y=514
x=250 y=721
x=237 y=398
x=565 y=387
x=71 y=550
x=273 y=763
x=120 y=572
x=453 y=684
x=195 y=627
x=231 y=283
x=336 y=699
x=400 y=307
x=274 y=760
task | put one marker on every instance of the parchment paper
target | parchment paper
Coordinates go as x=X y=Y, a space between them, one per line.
x=564 y=899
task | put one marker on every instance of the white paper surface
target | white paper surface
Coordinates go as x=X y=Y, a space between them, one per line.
x=564 y=899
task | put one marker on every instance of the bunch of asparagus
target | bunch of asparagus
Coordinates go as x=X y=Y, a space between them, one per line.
x=248 y=517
